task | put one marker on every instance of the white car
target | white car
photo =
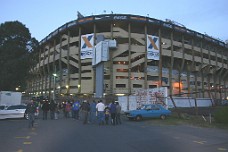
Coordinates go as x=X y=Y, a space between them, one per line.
x=14 y=111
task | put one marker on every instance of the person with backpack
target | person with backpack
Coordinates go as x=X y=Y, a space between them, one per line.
x=76 y=108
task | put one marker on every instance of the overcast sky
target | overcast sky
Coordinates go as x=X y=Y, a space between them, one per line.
x=44 y=16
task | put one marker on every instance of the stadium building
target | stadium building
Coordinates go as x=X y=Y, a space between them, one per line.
x=146 y=53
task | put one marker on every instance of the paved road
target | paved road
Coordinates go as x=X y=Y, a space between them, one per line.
x=67 y=135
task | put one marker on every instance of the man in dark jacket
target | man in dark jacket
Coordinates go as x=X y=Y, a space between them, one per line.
x=113 y=113
x=30 y=110
x=52 y=108
x=85 y=107
x=45 y=109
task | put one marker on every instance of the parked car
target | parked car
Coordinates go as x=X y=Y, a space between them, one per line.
x=2 y=107
x=224 y=102
x=14 y=111
x=149 y=111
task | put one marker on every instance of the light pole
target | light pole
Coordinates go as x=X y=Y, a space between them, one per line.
x=54 y=76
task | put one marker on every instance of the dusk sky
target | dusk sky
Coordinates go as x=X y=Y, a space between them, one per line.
x=44 y=16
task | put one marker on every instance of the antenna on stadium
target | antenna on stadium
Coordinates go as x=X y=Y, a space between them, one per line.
x=79 y=15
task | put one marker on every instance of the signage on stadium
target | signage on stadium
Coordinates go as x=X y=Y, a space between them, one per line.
x=103 y=17
x=85 y=20
x=153 y=51
x=87 y=44
x=120 y=17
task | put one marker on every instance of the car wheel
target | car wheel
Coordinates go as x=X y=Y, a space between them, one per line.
x=138 y=118
x=162 y=117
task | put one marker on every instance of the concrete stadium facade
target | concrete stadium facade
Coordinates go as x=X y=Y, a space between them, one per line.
x=191 y=64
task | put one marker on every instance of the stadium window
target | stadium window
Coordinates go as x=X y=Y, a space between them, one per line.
x=74 y=79
x=86 y=78
x=219 y=59
x=122 y=40
x=73 y=59
x=152 y=86
x=86 y=71
x=205 y=56
x=121 y=77
x=86 y=64
x=121 y=70
x=120 y=85
x=154 y=78
x=74 y=44
x=192 y=82
x=137 y=86
x=152 y=63
x=106 y=77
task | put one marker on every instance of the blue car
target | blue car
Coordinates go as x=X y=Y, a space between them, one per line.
x=149 y=111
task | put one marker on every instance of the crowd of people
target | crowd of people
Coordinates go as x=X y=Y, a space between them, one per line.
x=89 y=112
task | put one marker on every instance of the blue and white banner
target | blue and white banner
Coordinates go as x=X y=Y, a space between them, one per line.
x=153 y=51
x=87 y=46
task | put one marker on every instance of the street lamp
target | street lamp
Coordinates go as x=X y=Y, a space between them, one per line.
x=79 y=88
x=54 y=76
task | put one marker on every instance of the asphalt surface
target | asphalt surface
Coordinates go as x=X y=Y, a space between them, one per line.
x=68 y=135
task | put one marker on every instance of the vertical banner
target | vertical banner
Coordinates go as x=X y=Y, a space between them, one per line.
x=153 y=51
x=87 y=46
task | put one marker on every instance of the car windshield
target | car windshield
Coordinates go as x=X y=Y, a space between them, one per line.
x=146 y=107
x=150 y=107
x=2 y=107
x=16 y=107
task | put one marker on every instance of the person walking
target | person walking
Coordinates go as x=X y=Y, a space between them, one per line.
x=93 y=112
x=107 y=114
x=30 y=110
x=113 y=113
x=100 y=112
x=52 y=109
x=67 y=109
x=85 y=107
x=76 y=108
x=118 y=112
x=45 y=108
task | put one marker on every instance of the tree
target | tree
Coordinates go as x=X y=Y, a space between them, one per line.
x=16 y=47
